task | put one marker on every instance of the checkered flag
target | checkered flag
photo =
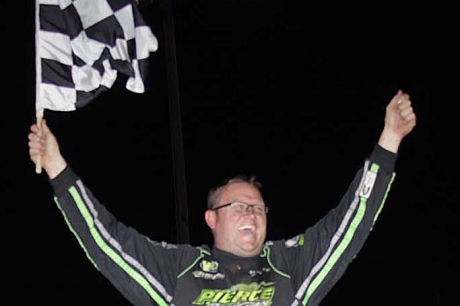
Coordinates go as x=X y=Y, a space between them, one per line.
x=80 y=47
x=82 y=44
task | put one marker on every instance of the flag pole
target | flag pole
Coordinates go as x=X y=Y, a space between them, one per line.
x=38 y=163
x=38 y=110
x=182 y=223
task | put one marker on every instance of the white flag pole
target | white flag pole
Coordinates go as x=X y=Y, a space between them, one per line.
x=38 y=72
x=38 y=163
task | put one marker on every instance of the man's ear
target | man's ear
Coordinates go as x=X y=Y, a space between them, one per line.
x=210 y=217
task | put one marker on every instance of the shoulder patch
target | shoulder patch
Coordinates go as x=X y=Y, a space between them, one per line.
x=368 y=185
x=294 y=241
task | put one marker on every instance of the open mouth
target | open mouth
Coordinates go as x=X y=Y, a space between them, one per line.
x=247 y=229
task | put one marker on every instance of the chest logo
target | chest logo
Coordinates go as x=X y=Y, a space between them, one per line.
x=209 y=266
x=254 y=294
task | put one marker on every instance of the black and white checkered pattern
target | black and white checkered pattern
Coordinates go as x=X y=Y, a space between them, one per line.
x=82 y=44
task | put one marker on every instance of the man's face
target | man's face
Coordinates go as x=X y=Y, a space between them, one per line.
x=238 y=232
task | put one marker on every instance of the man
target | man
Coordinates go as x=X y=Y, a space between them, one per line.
x=241 y=268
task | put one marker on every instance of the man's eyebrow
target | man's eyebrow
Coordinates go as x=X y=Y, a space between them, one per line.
x=257 y=203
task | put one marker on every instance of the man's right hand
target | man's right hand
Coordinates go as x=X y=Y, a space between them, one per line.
x=43 y=143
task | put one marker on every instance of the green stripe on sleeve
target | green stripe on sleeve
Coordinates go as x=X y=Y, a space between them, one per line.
x=384 y=198
x=338 y=252
x=141 y=280
x=75 y=233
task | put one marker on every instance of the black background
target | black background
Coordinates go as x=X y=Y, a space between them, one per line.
x=291 y=92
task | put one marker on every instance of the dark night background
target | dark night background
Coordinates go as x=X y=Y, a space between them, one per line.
x=291 y=92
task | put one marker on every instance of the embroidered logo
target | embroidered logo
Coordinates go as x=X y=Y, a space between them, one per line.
x=368 y=184
x=295 y=241
x=204 y=275
x=253 y=294
x=209 y=266
x=254 y=273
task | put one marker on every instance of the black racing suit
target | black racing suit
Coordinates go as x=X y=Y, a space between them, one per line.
x=296 y=271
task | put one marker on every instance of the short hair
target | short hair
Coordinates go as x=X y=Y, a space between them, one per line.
x=215 y=192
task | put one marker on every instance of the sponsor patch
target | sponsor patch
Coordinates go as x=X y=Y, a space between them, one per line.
x=369 y=182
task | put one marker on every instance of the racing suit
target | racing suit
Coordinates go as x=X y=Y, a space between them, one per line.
x=296 y=271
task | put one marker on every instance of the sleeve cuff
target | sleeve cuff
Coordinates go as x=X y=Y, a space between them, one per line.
x=385 y=158
x=63 y=181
